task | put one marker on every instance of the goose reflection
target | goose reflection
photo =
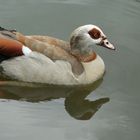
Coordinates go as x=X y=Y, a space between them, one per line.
x=76 y=103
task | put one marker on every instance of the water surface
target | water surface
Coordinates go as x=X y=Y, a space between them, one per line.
x=107 y=109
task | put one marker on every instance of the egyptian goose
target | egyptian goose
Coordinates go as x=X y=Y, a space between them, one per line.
x=44 y=59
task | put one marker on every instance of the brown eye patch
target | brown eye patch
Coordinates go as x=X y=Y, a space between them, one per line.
x=95 y=33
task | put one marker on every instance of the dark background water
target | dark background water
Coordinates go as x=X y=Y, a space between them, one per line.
x=108 y=109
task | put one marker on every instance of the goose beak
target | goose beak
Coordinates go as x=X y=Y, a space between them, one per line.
x=105 y=43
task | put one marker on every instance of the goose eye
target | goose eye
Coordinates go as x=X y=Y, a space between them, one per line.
x=94 y=33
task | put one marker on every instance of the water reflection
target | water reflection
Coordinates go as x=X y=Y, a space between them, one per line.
x=137 y=0
x=76 y=103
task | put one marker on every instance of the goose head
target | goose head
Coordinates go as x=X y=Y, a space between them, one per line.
x=84 y=38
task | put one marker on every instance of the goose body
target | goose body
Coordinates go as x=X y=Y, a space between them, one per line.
x=38 y=61
x=42 y=69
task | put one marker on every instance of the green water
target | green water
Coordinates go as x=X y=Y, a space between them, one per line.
x=106 y=110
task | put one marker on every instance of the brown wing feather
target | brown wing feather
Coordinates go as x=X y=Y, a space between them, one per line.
x=52 y=41
x=52 y=48
x=10 y=47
